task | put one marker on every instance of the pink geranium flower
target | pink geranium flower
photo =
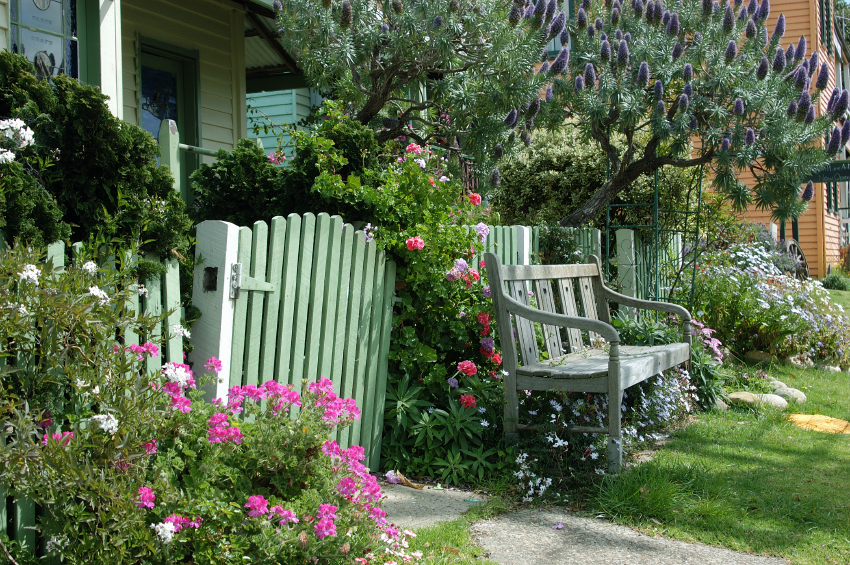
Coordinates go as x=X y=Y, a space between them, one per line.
x=325 y=528
x=475 y=199
x=213 y=365
x=150 y=447
x=415 y=243
x=257 y=505
x=146 y=498
x=467 y=368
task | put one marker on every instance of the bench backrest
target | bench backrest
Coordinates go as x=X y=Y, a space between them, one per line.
x=574 y=290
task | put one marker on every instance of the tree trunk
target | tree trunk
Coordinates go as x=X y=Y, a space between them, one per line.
x=591 y=209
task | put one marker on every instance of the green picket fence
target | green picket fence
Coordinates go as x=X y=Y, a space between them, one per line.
x=19 y=515
x=302 y=298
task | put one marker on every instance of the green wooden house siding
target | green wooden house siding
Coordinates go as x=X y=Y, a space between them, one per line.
x=281 y=107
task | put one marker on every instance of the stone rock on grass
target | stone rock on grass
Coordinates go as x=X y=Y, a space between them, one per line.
x=829 y=368
x=760 y=357
x=773 y=400
x=800 y=363
x=791 y=394
x=721 y=405
x=750 y=399
x=774 y=384
x=746 y=398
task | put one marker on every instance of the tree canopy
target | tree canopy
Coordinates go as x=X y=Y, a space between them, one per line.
x=698 y=83
x=438 y=71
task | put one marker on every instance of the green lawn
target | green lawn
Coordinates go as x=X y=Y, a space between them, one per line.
x=749 y=480
x=841 y=297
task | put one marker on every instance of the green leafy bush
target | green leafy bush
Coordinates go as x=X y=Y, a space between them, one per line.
x=133 y=467
x=86 y=173
x=835 y=281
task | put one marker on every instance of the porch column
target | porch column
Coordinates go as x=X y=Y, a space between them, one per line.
x=111 y=70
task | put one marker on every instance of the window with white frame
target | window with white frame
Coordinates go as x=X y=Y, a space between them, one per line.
x=45 y=32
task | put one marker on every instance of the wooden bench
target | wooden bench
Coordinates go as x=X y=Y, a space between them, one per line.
x=577 y=360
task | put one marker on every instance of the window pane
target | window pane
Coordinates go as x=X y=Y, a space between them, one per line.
x=14 y=42
x=71 y=66
x=45 y=51
x=71 y=17
x=44 y=14
x=159 y=99
x=14 y=5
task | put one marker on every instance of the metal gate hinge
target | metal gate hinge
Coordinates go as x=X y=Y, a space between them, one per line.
x=238 y=282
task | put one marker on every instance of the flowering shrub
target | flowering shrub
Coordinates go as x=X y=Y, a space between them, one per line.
x=753 y=305
x=133 y=467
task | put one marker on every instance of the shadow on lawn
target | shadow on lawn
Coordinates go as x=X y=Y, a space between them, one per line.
x=746 y=481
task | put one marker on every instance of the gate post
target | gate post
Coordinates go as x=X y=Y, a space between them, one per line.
x=212 y=334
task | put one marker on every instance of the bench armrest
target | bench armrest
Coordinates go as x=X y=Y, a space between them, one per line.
x=681 y=311
x=605 y=330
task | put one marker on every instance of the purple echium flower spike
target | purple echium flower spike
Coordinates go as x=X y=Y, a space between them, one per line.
x=683 y=102
x=549 y=94
x=834 y=141
x=742 y=15
x=845 y=133
x=803 y=103
x=534 y=107
x=495 y=178
x=739 y=107
x=789 y=54
x=823 y=77
x=677 y=50
x=557 y=25
x=603 y=37
x=581 y=18
x=659 y=10
x=659 y=90
x=764 y=10
x=731 y=51
x=728 y=19
x=660 y=107
x=585 y=4
x=751 y=29
x=618 y=35
x=752 y=7
x=550 y=10
x=615 y=16
x=543 y=68
x=673 y=25
x=810 y=115
x=665 y=17
x=750 y=136
x=779 y=30
x=715 y=7
x=637 y=6
x=599 y=24
x=511 y=118
x=438 y=22
x=813 y=63
x=801 y=77
x=688 y=89
x=841 y=105
x=643 y=74
x=589 y=75
x=763 y=35
x=514 y=16
x=345 y=15
x=725 y=144
x=801 y=48
x=579 y=82
x=560 y=62
x=650 y=11
x=498 y=151
x=389 y=123
x=706 y=7
x=627 y=37
x=565 y=37
x=763 y=68
x=830 y=106
x=738 y=3
x=591 y=31
x=693 y=124
x=605 y=51
x=792 y=109
x=623 y=54
x=779 y=60
x=808 y=192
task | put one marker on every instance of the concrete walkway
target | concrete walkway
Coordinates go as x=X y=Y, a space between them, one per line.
x=527 y=537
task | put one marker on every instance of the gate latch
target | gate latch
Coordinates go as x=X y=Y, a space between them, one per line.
x=238 y=282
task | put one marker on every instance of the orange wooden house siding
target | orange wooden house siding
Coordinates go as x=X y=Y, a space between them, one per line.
x=818 y=229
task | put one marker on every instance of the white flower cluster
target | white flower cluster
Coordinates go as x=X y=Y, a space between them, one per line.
x=181 y=331
x=142 y=290
x=164 y=531
x=529 y=480
x=57 y=543
x=30 y=273
x=107 y=423
x=101 y=296
x=90 y=267
x=179 y=374
x=20 y=134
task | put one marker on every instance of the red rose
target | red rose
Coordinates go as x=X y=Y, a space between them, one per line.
x=467 y=368
x=475 y=199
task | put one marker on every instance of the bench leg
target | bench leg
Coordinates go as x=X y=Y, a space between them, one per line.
x=615 y=439
x=511 y=414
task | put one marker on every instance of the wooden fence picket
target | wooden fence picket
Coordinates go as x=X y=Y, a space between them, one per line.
x=240 y=312
x=318 y=282
x=329 y=304
x=350 y=384
x=256 y=303
x=288 y=295
x=302 y=300
x=271 y=305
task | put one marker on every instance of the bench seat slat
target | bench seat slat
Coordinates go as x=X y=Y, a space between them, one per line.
x=539 y=272
x=546 y=302
x=524 y=328
x=635 y=363
x=588 y=299
x=568 y=299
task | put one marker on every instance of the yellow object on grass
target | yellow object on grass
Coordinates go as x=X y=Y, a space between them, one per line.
x=820 y=423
